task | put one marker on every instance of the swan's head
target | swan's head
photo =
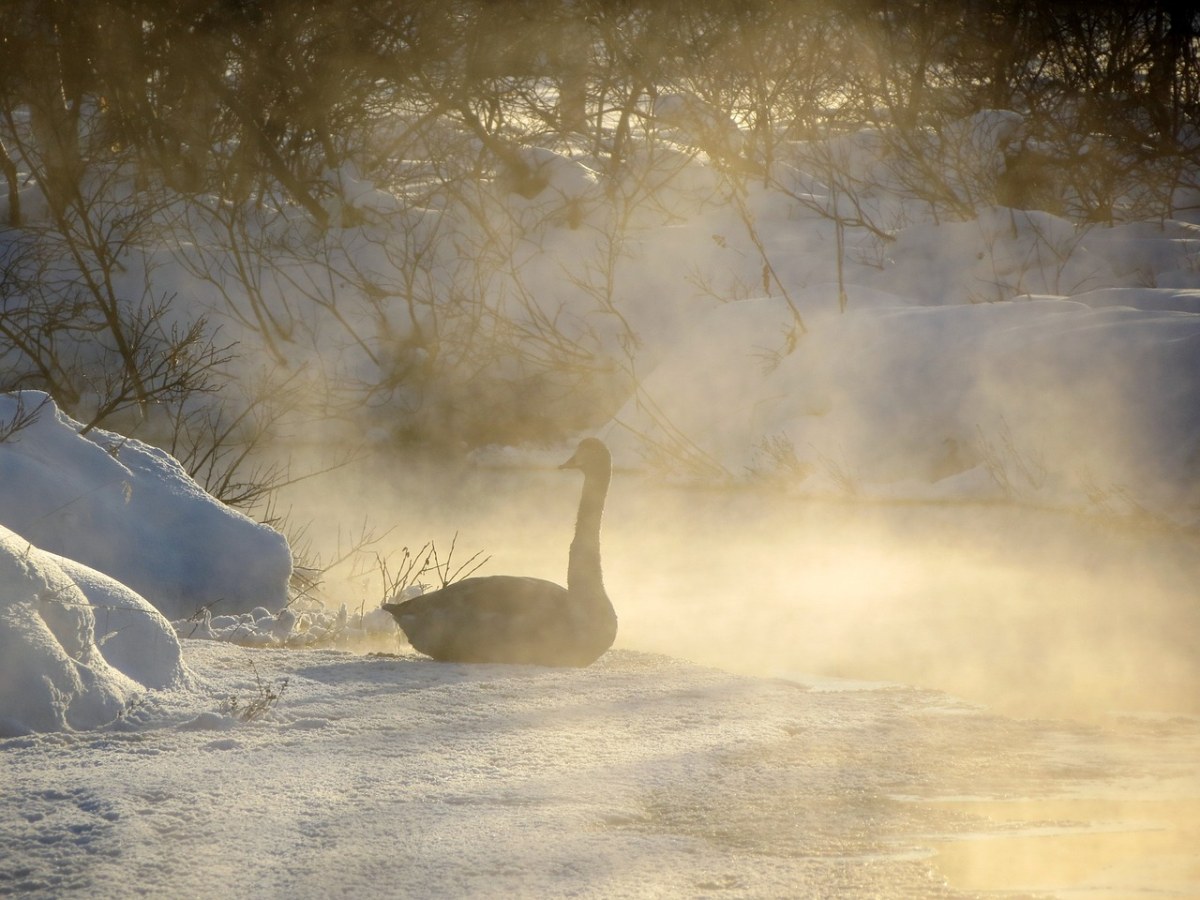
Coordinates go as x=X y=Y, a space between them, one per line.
x=591 y=456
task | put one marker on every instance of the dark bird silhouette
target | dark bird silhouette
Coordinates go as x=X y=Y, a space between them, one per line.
x=512 y=619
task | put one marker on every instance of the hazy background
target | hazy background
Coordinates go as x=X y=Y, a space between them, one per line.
x=878 y=249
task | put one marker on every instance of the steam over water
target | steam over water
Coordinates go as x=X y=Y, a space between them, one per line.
x=1030 y=612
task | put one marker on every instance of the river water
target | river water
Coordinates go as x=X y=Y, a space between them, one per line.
x=1029 y=612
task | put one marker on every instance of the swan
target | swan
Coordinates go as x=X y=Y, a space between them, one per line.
x=514 y=619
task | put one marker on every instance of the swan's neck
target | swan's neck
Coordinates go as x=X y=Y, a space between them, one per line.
x=583 y=567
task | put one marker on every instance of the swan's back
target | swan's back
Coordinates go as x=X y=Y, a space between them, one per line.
x=505 y=619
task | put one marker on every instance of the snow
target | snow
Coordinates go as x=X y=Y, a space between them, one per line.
x=129 y=510
x=881 y=395
x=1000 y=254
x=76 y=647
x=640 y=776
x=130 y=633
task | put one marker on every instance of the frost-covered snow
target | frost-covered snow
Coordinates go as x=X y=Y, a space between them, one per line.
x=639 y=777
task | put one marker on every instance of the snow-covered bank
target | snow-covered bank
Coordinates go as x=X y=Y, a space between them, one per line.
x=638 y=777
x=738 y=327
x=1075 y=404
x=130 y=510
x=1007 y=352
x=101 y=537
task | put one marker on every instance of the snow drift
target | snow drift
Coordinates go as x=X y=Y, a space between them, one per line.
x=130 y=510
x=75 y=646
x=94 y=524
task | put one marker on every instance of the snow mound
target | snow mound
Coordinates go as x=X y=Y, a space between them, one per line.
x=700 y=124
x=1156 y=299
x=55 y=632
x=132 y=635
x=130 y=510
x=570 y=179
x=1000 y=254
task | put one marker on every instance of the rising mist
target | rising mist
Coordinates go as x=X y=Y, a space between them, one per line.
x=1031 y=612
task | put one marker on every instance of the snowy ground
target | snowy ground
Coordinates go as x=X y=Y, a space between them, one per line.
x=639 y=777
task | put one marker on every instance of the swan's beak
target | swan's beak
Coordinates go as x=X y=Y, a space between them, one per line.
x=571 y=463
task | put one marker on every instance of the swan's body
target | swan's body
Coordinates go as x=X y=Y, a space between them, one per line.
x=511 y=619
